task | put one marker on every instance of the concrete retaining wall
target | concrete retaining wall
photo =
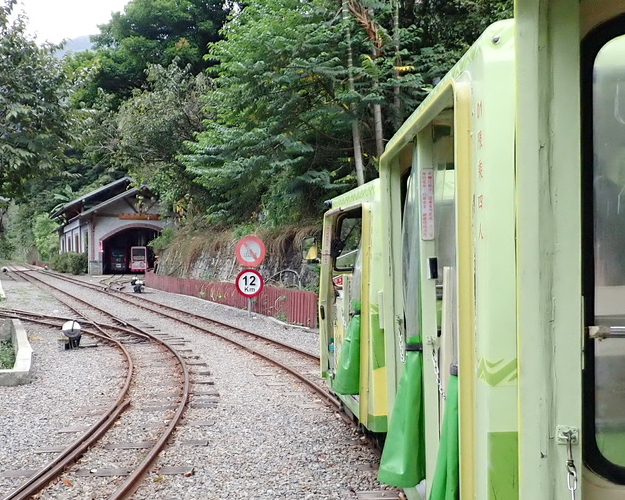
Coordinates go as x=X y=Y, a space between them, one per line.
x=20 y=373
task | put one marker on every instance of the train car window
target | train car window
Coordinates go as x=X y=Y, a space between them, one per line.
x=138 y=253
x=444 y=200
x=609 y=246
x=603 y=178
x=410 y=253
x=346 y=242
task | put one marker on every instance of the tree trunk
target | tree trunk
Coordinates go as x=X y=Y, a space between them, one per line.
x=377 y=108
x=379 y=131
x=366 y=19
x=398 y=114
x=358 y=163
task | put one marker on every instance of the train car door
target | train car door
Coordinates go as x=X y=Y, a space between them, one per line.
x=426 y=310
x=436 y=181
x=352 y=340
x=603 y=181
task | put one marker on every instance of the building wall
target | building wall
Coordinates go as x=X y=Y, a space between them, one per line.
x=89 y=234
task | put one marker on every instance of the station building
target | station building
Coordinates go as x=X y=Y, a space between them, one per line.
x=107 y=222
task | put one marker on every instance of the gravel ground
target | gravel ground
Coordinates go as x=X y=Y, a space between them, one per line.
x=268 y=436
x=64 y=383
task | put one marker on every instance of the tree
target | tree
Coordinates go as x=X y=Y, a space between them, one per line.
x=302 y=91
x=153 y=126
x=356 y=135
x=155 y=32
x=33 y=116
x=46 y=240
x=449 y=27
x=276 y=135
x=281 y=141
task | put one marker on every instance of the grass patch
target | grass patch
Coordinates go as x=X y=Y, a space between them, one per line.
x=7 y=355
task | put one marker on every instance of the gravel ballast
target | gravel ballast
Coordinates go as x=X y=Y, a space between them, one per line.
x=268 y=436
x=64 y=383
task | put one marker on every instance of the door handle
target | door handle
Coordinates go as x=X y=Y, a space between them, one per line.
x=606 y=332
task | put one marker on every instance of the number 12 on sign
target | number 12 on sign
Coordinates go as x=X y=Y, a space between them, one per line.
x=249 y=283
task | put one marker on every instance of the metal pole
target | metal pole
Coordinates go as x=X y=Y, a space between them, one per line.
x=249 y=307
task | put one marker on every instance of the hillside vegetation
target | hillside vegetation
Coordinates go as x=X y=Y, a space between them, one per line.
x=210 y=255
x=241 y=117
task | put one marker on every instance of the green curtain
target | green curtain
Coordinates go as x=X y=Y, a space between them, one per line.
x=446 y=482
x=403 y=457
x=347 y=378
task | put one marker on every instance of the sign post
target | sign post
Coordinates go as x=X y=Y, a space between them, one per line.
x=250 y=252
x=249 y=283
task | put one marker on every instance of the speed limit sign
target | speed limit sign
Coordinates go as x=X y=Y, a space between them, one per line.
x=249 y=283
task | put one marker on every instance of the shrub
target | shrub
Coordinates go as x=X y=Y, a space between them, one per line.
x=6 y=247
x=46 y=240
x=58 y=263
x=243 y=230
x=162 y=241
x=70 y=262
x=7 y=355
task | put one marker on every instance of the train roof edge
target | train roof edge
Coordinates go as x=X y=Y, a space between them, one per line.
x=502 y=31
x=369 y=191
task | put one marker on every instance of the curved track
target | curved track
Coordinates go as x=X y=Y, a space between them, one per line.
x=265 y=347
x=124 y=401
x=260 y=345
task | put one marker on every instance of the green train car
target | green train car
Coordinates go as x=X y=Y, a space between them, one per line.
x=352 y=341
x=491 y=270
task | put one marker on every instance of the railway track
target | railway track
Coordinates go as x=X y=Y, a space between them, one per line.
x=300 y=363
x=264 y=347
x=139 y=346
x=171 y=312
x=74 y=450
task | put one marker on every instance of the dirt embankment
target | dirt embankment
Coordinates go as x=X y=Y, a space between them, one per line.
x=210 y=256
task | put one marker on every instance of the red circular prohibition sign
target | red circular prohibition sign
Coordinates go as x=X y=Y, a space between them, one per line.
x=250 y=251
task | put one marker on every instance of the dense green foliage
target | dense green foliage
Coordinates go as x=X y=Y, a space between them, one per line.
x=45 y=239
x=236 y=114
x=7 y=355
x=154 y=32
x=281 y=121
x=282 y=138
x=33 y=118
x=70 y=262
x=152 y=127
x=162 y=241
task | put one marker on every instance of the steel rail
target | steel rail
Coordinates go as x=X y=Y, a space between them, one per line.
x=27 y=315
x=154 y=305
x=69 y=455
x=308 y=382
x=320 y=390
x=52 y=324
x=30 y=279
x=132 y=482
x=157 y=307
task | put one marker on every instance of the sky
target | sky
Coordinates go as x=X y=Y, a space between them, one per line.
x=55 y=20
